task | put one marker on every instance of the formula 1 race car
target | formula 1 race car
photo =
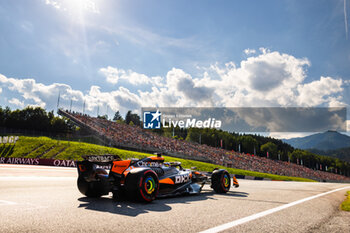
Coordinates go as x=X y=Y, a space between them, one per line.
x=145 y=179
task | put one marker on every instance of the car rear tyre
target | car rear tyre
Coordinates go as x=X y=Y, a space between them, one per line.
x=221 y=181
x=94 y=188
x=142 y=185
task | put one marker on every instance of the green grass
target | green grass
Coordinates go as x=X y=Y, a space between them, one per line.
x=54 y=151
x=6 y=150
x=26 y=145
x=32 y=147
x=346 y=204
x=202 y=166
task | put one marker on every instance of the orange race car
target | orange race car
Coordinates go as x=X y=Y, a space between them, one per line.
x=145 y=179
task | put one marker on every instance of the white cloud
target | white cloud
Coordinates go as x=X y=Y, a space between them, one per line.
x=114 y=75
x=27 y=26
x=249 y=51
x=319 y=91
x=0 y=90
x=39 y=94
x=53 y=3
x=16 y=102
x=267 y=79
x=121 y=99
x=189 y=91
x=274 y=79
x=284 y=135
x=74 y=6
x=264 y=50
x=46 y=96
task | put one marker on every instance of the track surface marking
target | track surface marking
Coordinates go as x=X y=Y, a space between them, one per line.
x=267 y=212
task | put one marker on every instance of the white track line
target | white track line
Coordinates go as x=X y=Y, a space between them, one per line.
x=37 y=169
x=267 y=212
x=36 y=178
x=34 y=166
x=3 y=202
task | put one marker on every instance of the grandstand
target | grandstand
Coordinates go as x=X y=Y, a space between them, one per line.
x=135 y=138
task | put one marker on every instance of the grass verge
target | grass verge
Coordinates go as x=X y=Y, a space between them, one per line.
x=346 y=204
x=50 y=148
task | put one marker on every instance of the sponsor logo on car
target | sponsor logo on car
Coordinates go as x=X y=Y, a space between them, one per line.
x=101 y=158
x=182 y=178
x=148 y=164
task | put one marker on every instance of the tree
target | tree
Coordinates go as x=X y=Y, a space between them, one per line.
x=103 y=117
x=2 y=117
x=132 y=117
x=59 y=125
x=193 y=135
x=248 y=144
x=271 y=148
x=128 y=117
x=117 y=117
x=34 y=119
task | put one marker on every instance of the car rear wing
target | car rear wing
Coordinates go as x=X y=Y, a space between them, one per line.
x=101 y=159
x=88 y=166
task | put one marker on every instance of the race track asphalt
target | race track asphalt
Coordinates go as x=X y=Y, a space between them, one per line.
x=46 y=199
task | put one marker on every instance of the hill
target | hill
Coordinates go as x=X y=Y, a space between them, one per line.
x=342 y=153
x=330 y=140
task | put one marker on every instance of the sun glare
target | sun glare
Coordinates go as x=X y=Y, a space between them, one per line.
x=75 y=7
x=82 y=5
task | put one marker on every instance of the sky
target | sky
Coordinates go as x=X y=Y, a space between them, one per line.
x=123 y=55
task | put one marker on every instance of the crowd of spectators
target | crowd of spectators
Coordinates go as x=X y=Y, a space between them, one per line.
x=119 y=134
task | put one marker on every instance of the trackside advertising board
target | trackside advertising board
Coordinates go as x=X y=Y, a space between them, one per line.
x=45 y=162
